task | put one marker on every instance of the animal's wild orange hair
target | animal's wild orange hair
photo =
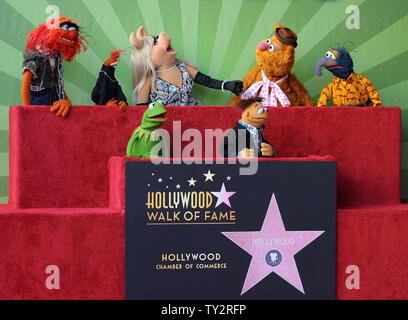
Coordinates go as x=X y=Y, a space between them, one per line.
x=45 y=36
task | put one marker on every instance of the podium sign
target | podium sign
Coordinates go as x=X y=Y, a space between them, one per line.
x=206 y=232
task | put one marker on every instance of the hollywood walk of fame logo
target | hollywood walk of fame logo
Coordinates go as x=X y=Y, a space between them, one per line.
x=184 y=199
x=223 y=196
x=273 y=249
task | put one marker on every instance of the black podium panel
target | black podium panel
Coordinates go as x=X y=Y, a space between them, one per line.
x=206 y=232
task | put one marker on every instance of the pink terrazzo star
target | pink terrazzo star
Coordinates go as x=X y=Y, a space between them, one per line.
x=223 y=196
x=273 y=249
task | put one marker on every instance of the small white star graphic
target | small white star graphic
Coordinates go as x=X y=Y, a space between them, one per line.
x=171 y=178
x=209 y=176
x=167 y=187
x=228 y=178
x=152 y=174
x=160 y=180
x=178 y=186
x=191 y=182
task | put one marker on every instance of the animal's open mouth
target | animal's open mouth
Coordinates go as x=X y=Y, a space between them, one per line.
x=170 y=49
x=65 y=39
x=161 y=116
x=335 y=67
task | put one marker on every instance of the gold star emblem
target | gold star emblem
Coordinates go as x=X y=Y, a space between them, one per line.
x=209 y=176
x=191 y=182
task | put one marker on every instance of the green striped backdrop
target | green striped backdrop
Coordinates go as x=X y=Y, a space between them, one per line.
x=220 y=36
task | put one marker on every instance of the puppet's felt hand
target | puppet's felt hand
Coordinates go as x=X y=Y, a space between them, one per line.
x=62 y=108
x=234 y=86
x=112 y=102
x=266 y=150
x=110 y=62
x=123 y=105
x=247 y=153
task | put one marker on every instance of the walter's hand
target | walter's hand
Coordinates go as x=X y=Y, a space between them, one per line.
x=235 y=87
x=62 y=108
x=247 y=153
x=266 y=150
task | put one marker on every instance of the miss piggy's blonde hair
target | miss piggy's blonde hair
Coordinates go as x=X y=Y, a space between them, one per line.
x=142 y=66
x=141 y=62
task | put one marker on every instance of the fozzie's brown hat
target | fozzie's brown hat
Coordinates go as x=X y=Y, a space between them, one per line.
x=286 y=36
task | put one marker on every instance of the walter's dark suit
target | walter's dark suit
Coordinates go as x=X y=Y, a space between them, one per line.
x=230 y=147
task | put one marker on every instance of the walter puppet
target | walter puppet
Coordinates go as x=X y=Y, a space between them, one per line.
x=271 y=79
x=347 y=87
x=107 y=90
x=246 y=139
x=158 y=75
x=47 y=47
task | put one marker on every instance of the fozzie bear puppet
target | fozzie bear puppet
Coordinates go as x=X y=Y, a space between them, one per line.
x=271 y=79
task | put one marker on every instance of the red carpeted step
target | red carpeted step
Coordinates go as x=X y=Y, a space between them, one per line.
x=376 y=241
x=88 y=247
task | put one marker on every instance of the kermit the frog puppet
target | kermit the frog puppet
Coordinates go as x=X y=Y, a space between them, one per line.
x=146 y=136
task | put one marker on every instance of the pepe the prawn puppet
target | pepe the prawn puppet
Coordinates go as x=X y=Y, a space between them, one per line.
x=107 y=90
x=347 y=88
x=146 y=136
x=47 y=46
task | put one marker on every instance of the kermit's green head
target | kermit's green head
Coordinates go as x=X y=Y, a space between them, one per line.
x=154 y=116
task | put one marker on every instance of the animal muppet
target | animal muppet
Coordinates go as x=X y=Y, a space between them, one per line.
x=107 y=90
x=250 y=142
x=271 y=79
x=47 y=46
x=158 y=75
x=146 y=136
x=347 y=87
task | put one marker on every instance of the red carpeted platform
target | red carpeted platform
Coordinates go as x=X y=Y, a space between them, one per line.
x=67 y=193
x=87 y=245
x=63 y=164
